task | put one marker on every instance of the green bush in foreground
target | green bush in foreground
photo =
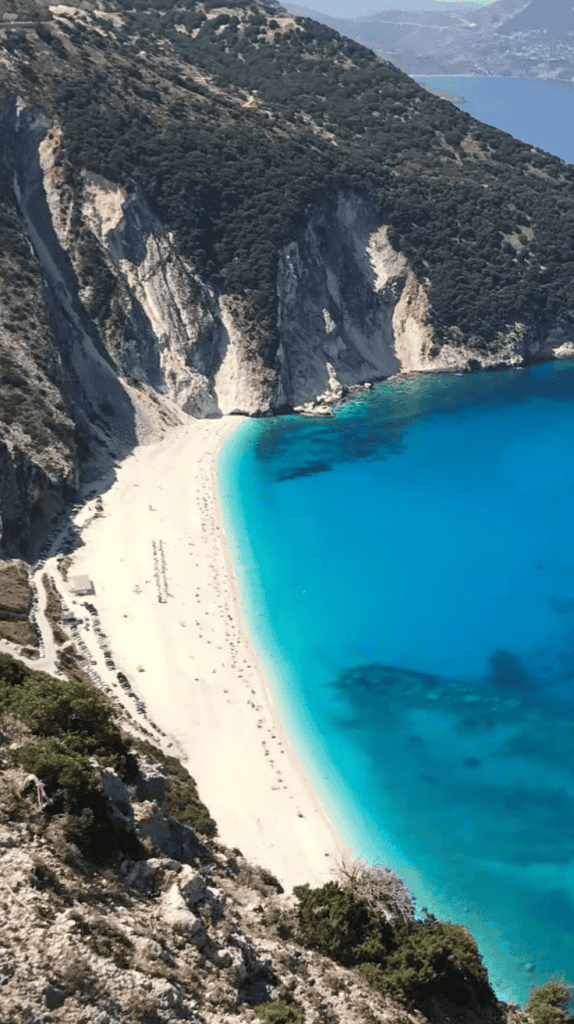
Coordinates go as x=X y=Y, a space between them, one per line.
x=279 y=1012
x=549 y=1004
x=336 y=923
x=70 y=723
x=426 y=964
x=67 y=709
x=430 y=961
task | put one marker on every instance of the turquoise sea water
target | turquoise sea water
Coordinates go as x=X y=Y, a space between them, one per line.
x=537 y=111
x=407 y=572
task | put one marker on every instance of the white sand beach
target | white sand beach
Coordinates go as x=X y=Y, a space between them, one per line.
x=168 y=604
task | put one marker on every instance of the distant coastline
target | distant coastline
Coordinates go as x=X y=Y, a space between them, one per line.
x=533 y=110
x=444 y=94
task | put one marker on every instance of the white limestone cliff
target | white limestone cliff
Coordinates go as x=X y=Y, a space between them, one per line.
x=350 y=309
x=141 y=340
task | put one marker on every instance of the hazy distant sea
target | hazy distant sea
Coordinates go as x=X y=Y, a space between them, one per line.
x=407 y=573
x=537 y=111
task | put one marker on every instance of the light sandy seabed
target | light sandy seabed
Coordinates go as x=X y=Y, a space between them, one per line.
x=168 y=603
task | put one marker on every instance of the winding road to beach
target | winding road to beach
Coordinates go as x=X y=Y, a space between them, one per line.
x=168 y=605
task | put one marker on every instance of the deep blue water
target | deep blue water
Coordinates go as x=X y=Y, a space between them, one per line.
x=537 y=111
x=407 y=571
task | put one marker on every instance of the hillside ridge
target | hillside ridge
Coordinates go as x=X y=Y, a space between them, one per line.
x=212 y=210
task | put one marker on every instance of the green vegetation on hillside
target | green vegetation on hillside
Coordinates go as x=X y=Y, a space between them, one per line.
x=29 y=403
x=419 y=962
x=69 y=734
x=549 y=1004
x=69 y=731
x=279 y=1012
x=183 y=801
x=233 y=123
x=15 y=594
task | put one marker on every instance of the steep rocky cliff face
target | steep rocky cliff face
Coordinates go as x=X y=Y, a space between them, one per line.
x=128 y=306
x=351 y=310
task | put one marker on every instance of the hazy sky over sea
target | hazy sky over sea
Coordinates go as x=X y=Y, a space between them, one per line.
x=353 y=8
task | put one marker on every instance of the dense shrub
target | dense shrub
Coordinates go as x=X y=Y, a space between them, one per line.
x=71 y=711
x=550 y=1003
x=334 y=922
x=281 y=1011
x=67 y=774
x=429 y=961
x=71 y=784
x=70 y=724
x=423 y=963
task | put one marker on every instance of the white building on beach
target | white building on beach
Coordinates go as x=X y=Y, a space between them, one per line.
x=81 y=586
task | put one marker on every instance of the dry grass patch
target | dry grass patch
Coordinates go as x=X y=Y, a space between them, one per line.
x=15 y=593
x=18 y=632
x=54 y=609
x=64 y=566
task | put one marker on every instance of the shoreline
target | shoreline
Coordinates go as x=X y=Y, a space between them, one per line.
x=170 y=609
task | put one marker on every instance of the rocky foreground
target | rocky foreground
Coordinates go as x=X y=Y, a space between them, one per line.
x=193 y=932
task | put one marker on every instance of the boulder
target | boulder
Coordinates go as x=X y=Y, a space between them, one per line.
x=152 y=782
x=167 y=995
x=258 y=992
x=177 y=914
x=232 y=960
x=9 y=837
x=170 y=838
x=147 y=874
x=191 y=885
x=215 y=900
x=53 y=997
x=116 y=794
x=242 y=961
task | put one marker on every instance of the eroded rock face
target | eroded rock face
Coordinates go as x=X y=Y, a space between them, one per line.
x=138 y=340
x=159 y=322
x=148 y=875
x=116 y=794
x=130 y=306
x=152 y=782
x=337 y=286
x=168 y=837
x=192 y=886
x=176 y=913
